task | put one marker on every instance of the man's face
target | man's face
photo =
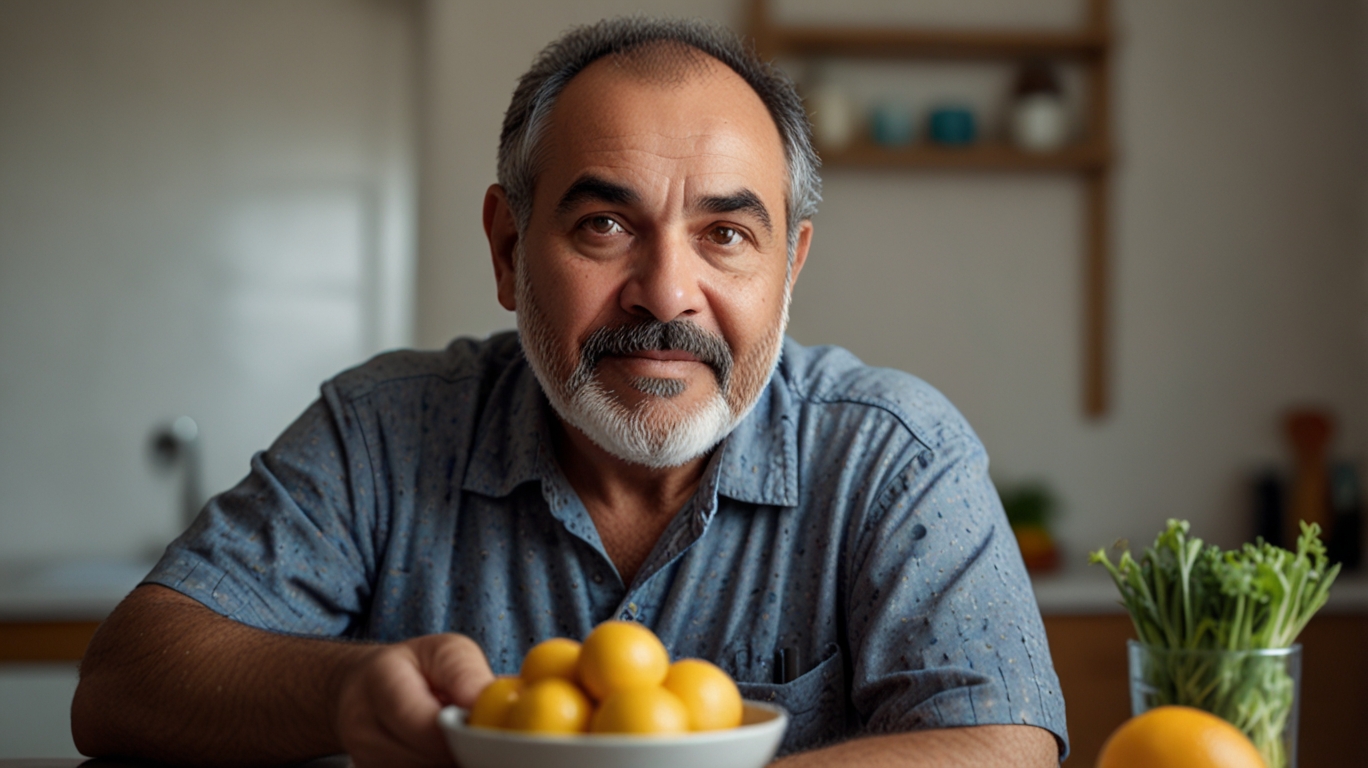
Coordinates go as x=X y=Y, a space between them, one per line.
x=652 y=281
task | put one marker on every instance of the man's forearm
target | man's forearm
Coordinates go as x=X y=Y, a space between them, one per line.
x=168 y=679
x=1000 y=746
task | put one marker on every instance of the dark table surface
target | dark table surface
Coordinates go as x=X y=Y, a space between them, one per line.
x=340 y=761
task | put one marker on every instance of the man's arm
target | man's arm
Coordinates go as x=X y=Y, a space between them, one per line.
x=167 y=679
x=1000 y=746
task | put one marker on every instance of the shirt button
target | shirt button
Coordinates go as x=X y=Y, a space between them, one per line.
x=598 y=578
x=632 y=608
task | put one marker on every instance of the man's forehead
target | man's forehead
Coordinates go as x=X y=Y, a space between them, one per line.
x=674 y=111
x=671 y=73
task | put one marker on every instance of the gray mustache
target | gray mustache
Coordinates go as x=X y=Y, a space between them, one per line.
x=648 y=335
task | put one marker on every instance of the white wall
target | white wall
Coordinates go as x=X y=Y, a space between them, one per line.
x=205 y=209
x=1238 y=258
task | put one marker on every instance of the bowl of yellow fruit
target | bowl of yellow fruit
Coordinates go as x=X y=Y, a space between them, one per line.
x=613 y=701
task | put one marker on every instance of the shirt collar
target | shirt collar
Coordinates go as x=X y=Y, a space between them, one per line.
x=513 y=441
x=758 y=462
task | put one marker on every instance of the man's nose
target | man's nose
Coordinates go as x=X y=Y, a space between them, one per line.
x=665 y=281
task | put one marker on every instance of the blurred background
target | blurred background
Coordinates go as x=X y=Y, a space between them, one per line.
x=207 y=208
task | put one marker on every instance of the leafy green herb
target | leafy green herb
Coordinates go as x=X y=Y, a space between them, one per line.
x=1196 y=608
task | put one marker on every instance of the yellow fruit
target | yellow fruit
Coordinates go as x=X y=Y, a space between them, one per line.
x=652 y=710
x=708 y=693
x=556 y=657
x=550 y=706
x=1178 y=737
x=492 y=706
x=620 y=655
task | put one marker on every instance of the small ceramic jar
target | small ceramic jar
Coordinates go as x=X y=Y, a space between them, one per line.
x=1038 y=119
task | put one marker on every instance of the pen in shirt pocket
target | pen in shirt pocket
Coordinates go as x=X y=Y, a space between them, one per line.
x=785 y=665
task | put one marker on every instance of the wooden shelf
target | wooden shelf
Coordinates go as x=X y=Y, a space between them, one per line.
x=976 y=157
x=862 y=42
x=1090 y=46
x=33 y=641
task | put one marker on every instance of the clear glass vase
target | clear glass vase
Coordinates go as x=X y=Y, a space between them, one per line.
x=1258 y=691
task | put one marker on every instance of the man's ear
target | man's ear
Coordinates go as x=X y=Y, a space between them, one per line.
x=800 y=251
x=502 y=232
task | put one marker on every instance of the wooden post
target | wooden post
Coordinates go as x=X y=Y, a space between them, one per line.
x=1096 y=267
x=1096 y=365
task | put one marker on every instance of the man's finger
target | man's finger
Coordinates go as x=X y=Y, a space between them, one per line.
x=405 y=707
x=455 y=667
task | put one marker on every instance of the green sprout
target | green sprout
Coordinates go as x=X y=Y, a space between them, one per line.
x=1183 y=596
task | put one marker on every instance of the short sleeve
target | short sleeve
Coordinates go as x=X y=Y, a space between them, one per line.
x=944 y=627
x=290 y=548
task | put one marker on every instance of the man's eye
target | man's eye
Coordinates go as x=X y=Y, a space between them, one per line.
x=603 y=225
x=724 y=236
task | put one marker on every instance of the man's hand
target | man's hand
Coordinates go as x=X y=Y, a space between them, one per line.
x=387 y=711
x=167 y=679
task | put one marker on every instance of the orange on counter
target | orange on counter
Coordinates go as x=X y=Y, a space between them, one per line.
x=619 y=655
x=553 y=705
x=557 y=657
x=708 y=693
x=647 y=710
x=1178 y=737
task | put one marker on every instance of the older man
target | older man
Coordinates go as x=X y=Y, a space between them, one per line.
x=648 y=447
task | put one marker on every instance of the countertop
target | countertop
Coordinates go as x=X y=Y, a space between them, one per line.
x=87 y=590
x=1087 y=589
x=75 y=590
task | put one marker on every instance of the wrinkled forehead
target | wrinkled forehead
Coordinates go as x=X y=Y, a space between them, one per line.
x=667 y=99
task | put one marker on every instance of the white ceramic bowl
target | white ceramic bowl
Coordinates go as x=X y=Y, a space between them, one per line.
x=749 y=746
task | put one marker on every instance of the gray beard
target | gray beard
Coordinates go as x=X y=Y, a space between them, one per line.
x=666 y=388
x=653 y=434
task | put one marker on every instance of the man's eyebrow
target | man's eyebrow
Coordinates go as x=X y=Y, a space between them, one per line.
x=598 y=190
x=744 y=200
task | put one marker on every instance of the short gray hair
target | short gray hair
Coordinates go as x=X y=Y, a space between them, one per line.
x=567 y=56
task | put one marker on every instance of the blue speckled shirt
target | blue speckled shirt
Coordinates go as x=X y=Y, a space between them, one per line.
x=848 y=520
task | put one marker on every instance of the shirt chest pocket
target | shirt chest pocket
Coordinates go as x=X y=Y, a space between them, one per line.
x=815 y=701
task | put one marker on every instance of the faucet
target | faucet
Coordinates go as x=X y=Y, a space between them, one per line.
x=177 y=444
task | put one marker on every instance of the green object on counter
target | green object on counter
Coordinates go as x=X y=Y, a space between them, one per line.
x=1184 y=596
x=1028 y=504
